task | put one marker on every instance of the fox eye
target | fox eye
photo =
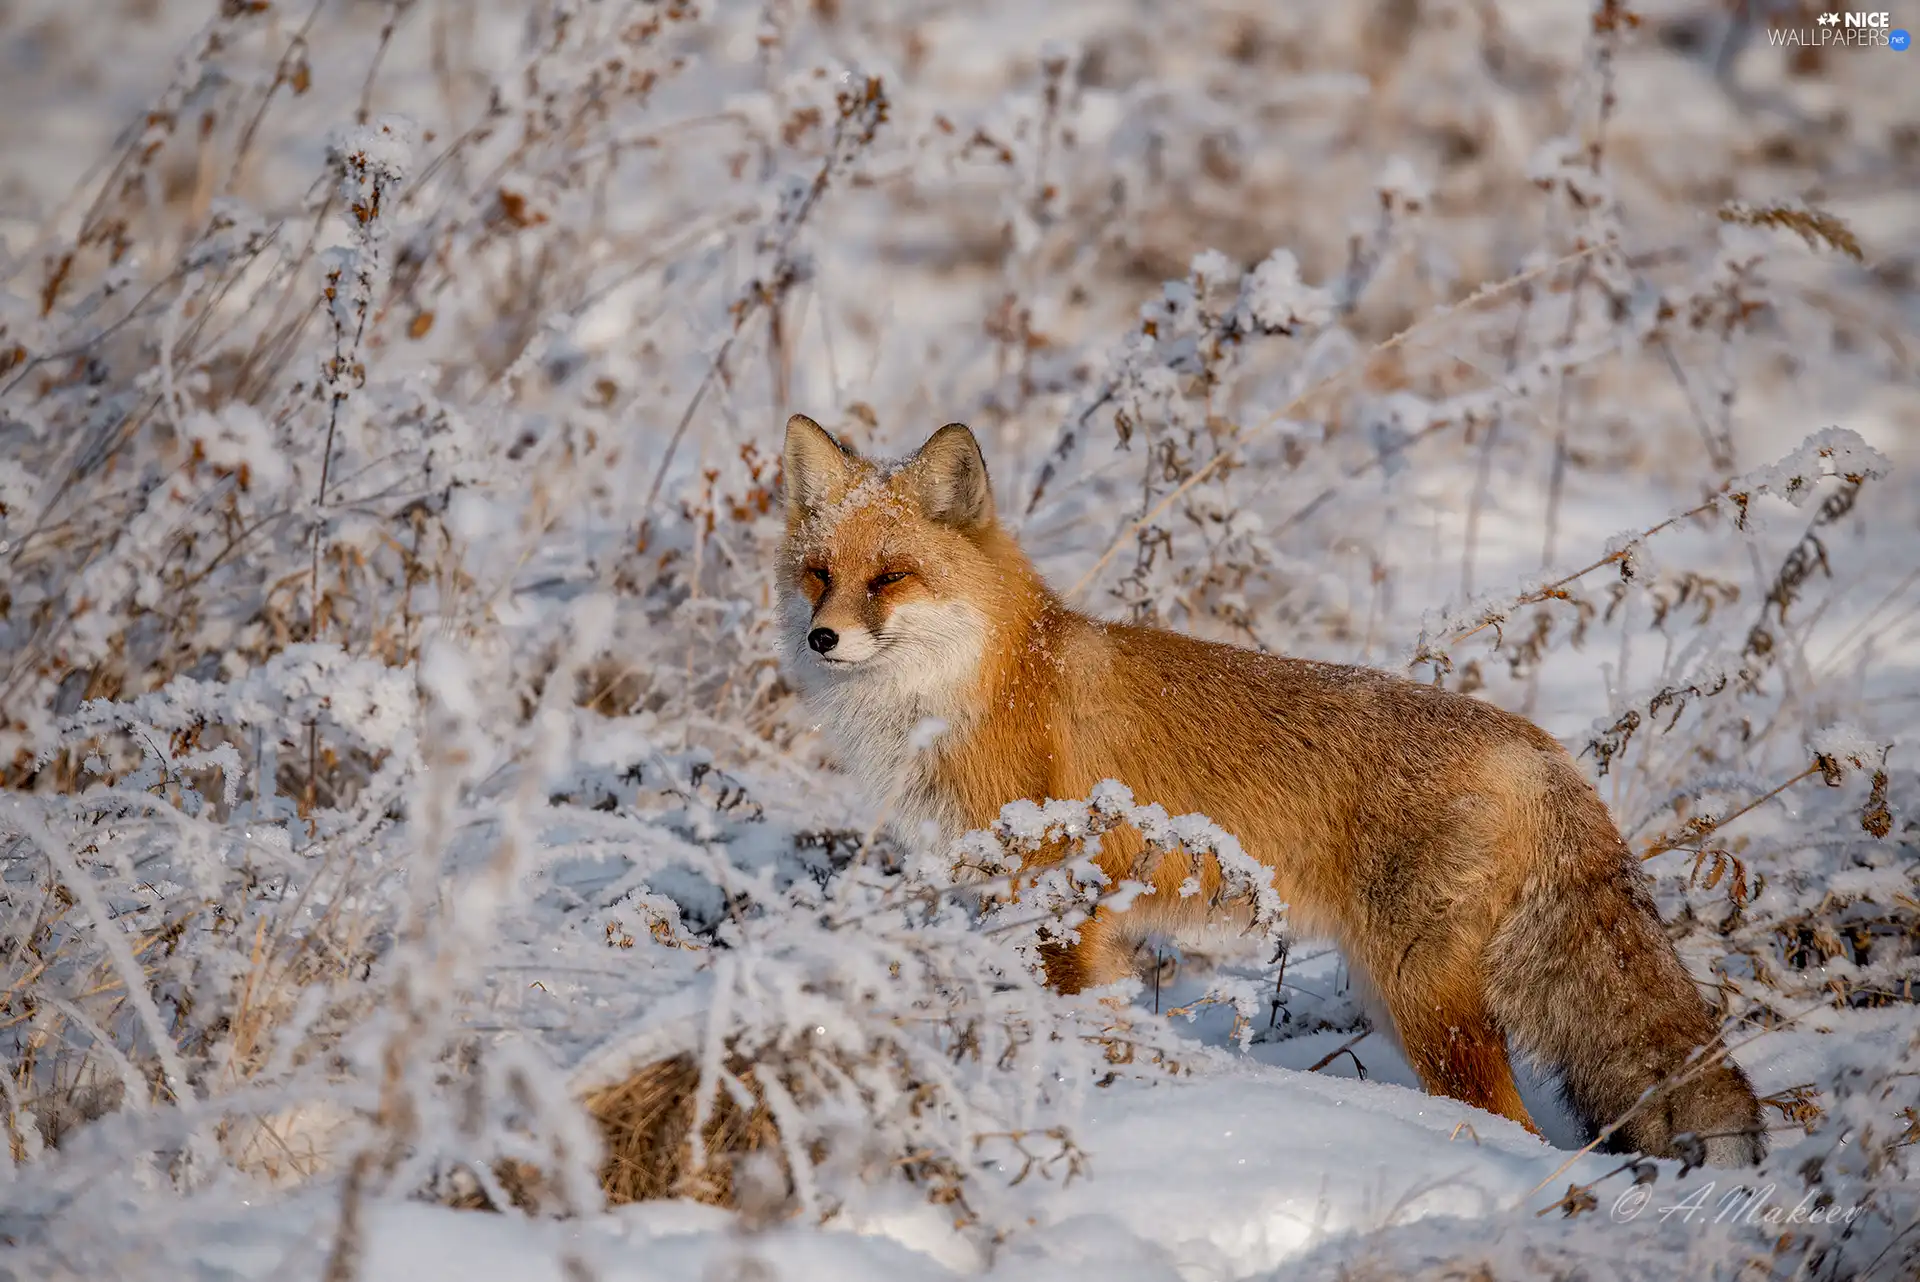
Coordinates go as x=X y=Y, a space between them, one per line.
x=882 y=580
x=819 y=572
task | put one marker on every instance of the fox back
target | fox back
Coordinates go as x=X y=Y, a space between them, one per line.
x=1465 y=866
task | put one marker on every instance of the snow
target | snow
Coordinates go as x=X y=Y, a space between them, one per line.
x=1247 y=1172
x=1224 y=1178
x=1276 y=297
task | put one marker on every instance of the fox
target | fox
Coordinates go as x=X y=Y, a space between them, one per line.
x=1467 y=870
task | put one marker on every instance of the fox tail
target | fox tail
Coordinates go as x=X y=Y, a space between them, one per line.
x=1581 y=975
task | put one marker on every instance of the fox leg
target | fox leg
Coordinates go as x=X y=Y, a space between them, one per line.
x=1103 y=954
x=1108 y=939
x=1451 y=1041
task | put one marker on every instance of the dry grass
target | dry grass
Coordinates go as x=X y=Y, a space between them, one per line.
x=646 y=1123
x=1815 y=226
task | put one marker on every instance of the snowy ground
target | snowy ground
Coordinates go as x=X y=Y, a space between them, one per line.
x=1230 y=1177
x=1247 y=1171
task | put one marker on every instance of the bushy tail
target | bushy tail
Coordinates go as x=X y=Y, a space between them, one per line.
x=1581 y=975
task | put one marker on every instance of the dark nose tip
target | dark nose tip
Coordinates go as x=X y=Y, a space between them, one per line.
x=823 y=639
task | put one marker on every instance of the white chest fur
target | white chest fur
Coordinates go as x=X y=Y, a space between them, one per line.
x=890 y=715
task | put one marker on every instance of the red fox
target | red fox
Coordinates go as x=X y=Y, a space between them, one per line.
x=1465 y=867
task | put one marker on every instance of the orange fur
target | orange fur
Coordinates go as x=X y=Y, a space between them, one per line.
x=1453 y=850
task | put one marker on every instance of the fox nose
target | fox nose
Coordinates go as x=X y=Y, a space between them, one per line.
x=823 y=639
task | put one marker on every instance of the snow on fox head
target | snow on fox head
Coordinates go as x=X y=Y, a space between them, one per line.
x=890 y=581
x=886 y=567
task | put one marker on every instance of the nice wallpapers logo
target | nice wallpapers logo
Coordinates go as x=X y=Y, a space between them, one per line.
x=1860 y=30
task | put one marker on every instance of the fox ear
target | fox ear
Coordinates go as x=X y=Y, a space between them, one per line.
x=952 y=475
x=817 y=466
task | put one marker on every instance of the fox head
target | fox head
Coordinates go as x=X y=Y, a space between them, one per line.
x=891 y=570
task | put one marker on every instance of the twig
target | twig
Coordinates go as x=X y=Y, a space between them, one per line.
x=1680 y=840
x=1345 y=1048
x=1219 y=460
